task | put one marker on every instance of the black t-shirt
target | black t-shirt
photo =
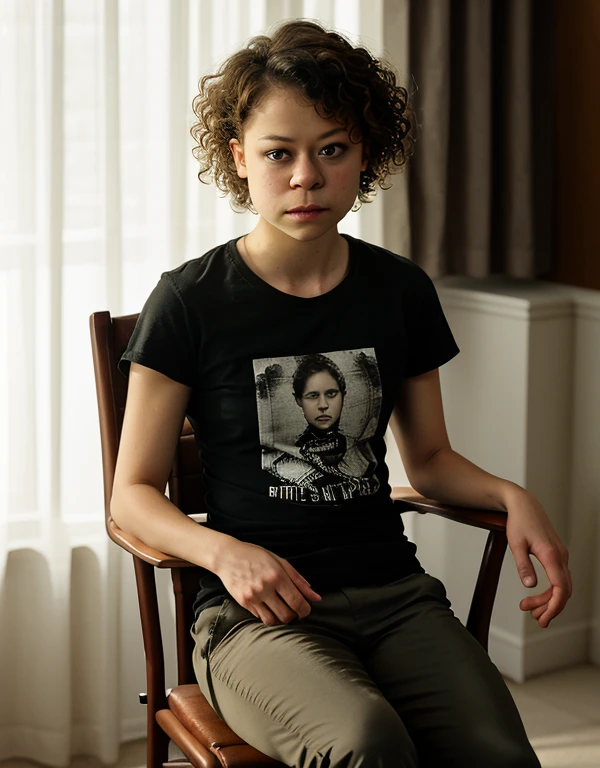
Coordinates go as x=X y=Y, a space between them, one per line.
x=291 y=398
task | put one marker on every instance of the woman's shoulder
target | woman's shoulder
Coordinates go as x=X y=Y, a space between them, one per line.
x=203 y=274
x=386 y=263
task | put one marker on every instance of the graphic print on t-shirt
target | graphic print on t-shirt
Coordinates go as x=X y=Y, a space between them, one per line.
x=316 y=415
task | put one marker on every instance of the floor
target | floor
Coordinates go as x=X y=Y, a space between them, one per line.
x=561 y=713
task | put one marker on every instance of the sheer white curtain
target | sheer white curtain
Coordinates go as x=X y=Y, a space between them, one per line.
x=98 y=195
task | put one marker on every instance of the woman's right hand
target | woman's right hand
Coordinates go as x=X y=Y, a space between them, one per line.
x=264 y=583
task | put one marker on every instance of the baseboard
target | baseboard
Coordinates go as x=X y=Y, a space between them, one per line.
x=556 y=648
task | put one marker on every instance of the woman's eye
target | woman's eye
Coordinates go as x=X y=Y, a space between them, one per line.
x=342 y=147
x=274 y=152
x=333 y=146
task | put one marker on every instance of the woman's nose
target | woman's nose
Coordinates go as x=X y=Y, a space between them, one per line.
x=323 y=404
x=306 y=173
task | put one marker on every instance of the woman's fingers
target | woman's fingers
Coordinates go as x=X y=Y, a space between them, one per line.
x=544 y=607
x=533 y=601
x=266 y=615
x=276 y=611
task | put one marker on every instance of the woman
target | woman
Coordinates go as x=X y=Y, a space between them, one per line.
x=373 y=669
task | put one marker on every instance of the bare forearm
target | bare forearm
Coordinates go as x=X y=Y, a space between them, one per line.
x=450 y=478
x=145 y=512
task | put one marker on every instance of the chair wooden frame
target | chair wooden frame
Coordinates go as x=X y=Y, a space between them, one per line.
x=183 y=714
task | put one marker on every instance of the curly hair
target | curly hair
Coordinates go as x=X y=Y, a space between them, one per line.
x=346 y=82
x=315 y=363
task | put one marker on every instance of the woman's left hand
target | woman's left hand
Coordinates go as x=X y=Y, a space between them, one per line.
x=529 y=531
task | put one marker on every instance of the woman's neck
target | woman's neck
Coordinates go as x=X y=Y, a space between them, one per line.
x=303 y=269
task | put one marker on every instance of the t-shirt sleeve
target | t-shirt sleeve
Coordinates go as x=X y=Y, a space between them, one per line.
x=162 y=338
x=430 y=340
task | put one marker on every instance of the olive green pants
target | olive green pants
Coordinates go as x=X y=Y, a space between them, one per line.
x=378 y=677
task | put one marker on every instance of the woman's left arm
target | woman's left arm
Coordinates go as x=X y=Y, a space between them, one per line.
x=437 y=472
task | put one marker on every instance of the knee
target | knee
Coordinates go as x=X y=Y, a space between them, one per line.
x=379 y=741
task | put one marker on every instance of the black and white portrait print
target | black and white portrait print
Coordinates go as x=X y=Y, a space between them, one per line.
x=316 y=415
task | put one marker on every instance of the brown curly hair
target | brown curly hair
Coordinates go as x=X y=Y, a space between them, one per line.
x=346 y=82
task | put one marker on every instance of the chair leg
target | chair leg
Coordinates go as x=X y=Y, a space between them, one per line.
x=157 y=744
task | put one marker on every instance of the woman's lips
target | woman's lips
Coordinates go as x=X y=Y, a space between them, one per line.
x=305 y=215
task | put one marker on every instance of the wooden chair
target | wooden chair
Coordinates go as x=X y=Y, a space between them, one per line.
x=183 y=714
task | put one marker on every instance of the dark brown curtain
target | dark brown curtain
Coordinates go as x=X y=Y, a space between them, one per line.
x=478 y=196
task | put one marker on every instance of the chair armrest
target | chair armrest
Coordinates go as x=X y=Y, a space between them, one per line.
x=143 y=551
x=489 y=519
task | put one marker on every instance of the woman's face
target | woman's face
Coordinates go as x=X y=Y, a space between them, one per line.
x=321 y=400
x=293 y=157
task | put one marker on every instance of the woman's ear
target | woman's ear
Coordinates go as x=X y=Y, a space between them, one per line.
x=238 y=158
x=365 y=157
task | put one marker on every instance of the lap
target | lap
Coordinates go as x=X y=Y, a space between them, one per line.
x=389 y=663
x=295 y=691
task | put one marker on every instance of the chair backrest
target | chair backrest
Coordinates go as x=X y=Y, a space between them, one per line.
x=110 y=336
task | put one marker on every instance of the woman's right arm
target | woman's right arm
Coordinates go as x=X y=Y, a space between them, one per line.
x=259 y=580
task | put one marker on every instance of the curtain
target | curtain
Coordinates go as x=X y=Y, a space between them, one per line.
x=481 y=181
x=98 y=195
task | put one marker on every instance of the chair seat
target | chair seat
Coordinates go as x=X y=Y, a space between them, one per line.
x=195 y=714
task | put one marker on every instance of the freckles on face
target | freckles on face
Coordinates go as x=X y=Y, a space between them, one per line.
x=298 y=165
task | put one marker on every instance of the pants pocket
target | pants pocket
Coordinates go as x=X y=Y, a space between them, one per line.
x=204 y=627
x=227 y=622
x=216 y=623
x=213 y=630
